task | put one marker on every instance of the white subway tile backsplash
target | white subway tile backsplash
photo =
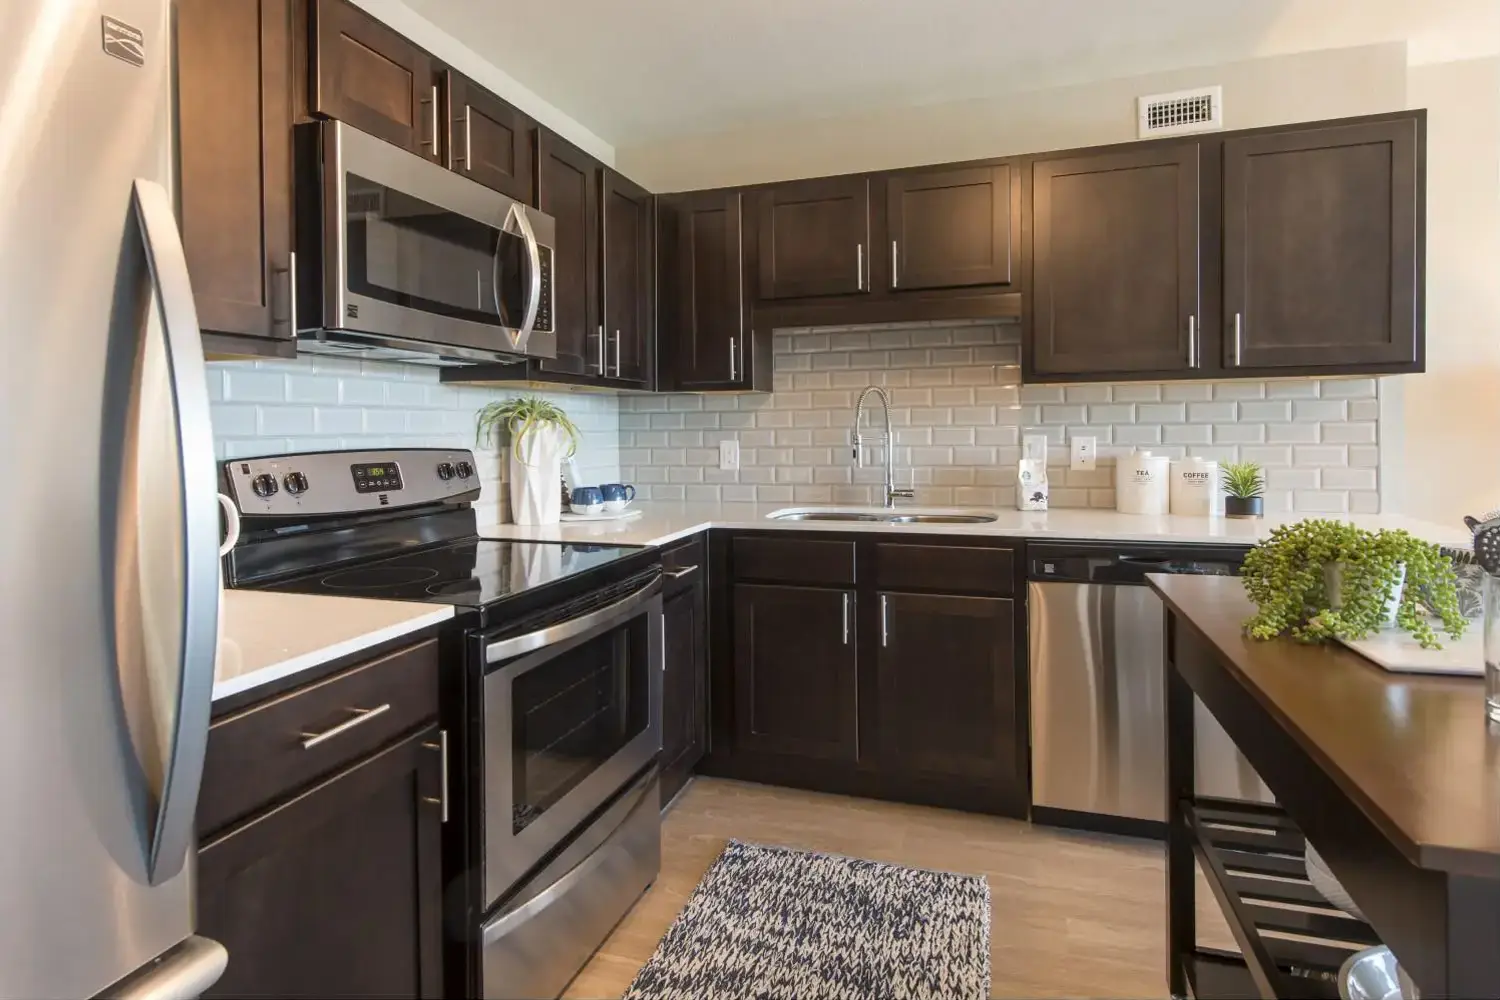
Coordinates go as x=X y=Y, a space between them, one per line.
x=959 y=414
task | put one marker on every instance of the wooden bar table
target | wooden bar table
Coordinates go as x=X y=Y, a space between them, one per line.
x=1394 y=777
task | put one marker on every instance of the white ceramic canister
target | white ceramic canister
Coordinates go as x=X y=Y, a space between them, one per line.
x=1195 y=488
x=1141 y=483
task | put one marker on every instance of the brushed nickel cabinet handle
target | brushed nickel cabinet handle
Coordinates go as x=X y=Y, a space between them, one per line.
x=894 y=255
x=678 y=574
x=846 y=618
x=441 y=746
x=1236 y=340
x=733 y=375
x=618 y=365
x=885 y=623
x=361 y=716
x=859 y=266
x=602 y=369
x=1192 y=342
x=433 y=142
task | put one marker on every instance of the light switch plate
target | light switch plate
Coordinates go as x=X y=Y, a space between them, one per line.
x=729 y=455
x=1085 y=453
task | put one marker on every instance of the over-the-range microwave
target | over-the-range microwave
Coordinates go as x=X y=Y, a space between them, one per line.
x=401 y=259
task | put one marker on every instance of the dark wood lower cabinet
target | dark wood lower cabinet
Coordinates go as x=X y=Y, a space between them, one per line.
x=337 y=892
x=946 y=672
x=684 y=712
x=795 y=672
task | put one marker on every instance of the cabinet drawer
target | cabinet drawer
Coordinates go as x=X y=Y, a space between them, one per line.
x=945 y=567
x=684 y=563
x=258 y=756
x=794 y=560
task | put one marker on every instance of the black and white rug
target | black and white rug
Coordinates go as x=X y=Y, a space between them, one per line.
x=779 y=923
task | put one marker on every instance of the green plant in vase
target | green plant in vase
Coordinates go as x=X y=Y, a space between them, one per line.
x=541 y=436
x=1244 y=488
x=1318 y=579
x=513 y=419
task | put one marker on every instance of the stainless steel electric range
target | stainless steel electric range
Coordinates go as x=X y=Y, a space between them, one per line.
x=551 y=691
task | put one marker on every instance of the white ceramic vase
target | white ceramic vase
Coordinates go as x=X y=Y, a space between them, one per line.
x=536 y=475
x=1333 y=584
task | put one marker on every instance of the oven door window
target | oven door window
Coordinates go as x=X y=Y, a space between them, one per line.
x=571 y=716
x=414 y=254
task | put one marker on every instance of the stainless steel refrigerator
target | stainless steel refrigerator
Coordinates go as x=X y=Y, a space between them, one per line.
x=108 y=615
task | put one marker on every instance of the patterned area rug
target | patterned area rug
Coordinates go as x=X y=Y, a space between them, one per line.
x=775 y=922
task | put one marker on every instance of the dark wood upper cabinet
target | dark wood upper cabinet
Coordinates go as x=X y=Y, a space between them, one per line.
x=489 y=141
x=795 y=672
x=337 y=892
x=567 y=181
x=627 y=243
x=704 y=313
x=946 y=671
x=951 y=228
x=234 y=115
x=1115 y=282
x=376 y=80
x=1322 y=247
x=814 y=238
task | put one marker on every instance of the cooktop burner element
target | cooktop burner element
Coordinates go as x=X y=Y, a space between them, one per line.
x=469 y=573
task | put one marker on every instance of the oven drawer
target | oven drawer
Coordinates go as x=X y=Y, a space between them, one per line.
x=262 y=753
x=534 y=946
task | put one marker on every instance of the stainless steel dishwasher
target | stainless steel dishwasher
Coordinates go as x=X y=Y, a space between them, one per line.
x=1098 y=741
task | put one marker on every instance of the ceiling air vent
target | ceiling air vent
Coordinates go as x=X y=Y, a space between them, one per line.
x=1200 y=110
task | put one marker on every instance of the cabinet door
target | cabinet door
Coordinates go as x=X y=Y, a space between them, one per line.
x=947 y=686
x=376 y=80
x=627 y=268
x=795 y=673
x=1115 y=263
x=234 y=117
x=814 y=238
x=338 y=892
x=703 y=272
x=1321 y=247
x=567 y=181
x=684 y=689
x=489 y=141
x=950 y=228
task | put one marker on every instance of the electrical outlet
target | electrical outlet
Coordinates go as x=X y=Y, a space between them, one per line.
x=1085 y=453
x=729 y=455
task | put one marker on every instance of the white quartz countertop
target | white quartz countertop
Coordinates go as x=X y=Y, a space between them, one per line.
x=661 y=522
x=265 y=637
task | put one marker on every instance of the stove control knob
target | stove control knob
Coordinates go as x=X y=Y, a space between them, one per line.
x=264 y=485
x=445 y=471
x=465 y=470
x=296 y=483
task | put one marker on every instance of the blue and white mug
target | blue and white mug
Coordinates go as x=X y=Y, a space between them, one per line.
x=586 y=500
x=617 y=496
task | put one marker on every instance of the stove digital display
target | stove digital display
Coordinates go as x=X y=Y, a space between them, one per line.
x=371 y=478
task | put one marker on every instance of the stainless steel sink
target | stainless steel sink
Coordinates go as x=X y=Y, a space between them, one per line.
x=942 y=519
x=827 y=515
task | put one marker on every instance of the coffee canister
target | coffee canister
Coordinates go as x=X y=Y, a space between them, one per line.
x=1195 y=488
x=1141 y=483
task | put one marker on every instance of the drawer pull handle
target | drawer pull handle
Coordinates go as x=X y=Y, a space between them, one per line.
x=362 y=715
x=678 y=574
x=441 y=746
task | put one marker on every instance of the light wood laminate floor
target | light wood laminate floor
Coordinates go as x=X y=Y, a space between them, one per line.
x=1071 y=914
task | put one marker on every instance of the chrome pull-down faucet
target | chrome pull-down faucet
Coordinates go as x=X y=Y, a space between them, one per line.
x=891 y=493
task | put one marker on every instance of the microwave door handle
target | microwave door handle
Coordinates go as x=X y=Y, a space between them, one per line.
x=534 y=254
x=186 y=686
x=608 y=615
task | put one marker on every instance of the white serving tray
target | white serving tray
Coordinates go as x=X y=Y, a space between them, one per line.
x=1396 y=651
x=603 y=515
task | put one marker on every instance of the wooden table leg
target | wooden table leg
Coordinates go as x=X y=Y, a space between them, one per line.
x=1182 y=930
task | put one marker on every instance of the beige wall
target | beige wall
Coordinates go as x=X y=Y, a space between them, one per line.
x=1269 y=91
x=1449 y=462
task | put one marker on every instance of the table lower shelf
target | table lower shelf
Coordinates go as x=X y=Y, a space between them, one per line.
x=1292 y=941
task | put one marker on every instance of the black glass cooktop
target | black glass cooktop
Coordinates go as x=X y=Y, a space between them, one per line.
x=470 y=573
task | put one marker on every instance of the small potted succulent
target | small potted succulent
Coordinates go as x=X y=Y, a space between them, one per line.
x=1319 y=579
x=540 y=436
x=1244 y=490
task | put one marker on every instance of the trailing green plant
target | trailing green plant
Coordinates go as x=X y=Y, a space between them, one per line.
x=1284 y=576
x=512 y=419
x=1242 y=480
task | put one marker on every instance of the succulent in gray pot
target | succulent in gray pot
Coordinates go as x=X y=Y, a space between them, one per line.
x=1244 y=490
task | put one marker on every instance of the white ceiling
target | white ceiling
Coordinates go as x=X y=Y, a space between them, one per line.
x=642 y=70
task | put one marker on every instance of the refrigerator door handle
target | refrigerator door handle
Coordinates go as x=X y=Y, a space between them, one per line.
x=183 y=690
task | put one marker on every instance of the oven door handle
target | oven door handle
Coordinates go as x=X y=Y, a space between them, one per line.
x=504 y=649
